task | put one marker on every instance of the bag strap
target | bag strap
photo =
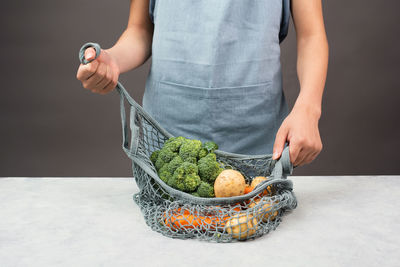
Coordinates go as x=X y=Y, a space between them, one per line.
x=283 y=167
x=123 y=95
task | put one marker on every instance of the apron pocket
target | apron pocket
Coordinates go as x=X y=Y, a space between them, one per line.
x=239 y=119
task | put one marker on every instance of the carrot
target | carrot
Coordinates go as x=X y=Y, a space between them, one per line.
x=188 y=220
x=248 y=189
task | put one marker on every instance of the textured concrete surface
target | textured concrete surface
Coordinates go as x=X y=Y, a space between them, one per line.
x=340 y=221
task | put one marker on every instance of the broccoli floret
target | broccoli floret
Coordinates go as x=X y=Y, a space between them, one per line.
x=191 y=160
x=154 y=156
x=185 y=177
x=209 y=168
x=207 y=147
x=167 y=154
x=180 y=139
x=210 y=146
x=164 y=173
x=174 y=143
x=177 y=178
x=190 y=168
x=159 y=163
x=195 y=194
x=202 y=153
x=174 y=163
x=212 y=156
x=190 y=149
x=191 y=182
x=205 y=190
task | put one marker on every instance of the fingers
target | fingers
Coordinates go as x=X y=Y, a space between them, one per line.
x=307 y=153
x=105 y=82
x=309 y=158
x=86 y=71
x=294 y=151
x=112 y=84
x=280 y=141
x=90 y=54
x=93 y=83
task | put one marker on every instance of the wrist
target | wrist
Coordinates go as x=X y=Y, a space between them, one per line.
x=312 y=108
x=113 y=59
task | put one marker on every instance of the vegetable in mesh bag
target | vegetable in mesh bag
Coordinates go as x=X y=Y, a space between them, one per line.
x=188 y=165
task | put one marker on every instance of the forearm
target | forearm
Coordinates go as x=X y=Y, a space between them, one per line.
x=133 y=48
x=312 y=65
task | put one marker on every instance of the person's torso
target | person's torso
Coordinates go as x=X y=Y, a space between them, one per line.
x=216 y=73
x=214 y=44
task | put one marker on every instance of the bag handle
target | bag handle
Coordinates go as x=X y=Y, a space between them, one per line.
x=283 y=167
x=130 y=152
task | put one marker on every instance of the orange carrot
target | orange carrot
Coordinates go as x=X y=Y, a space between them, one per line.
x=248 y=189
x=188 y=220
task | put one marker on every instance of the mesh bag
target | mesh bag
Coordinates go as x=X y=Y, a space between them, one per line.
x=177 y=214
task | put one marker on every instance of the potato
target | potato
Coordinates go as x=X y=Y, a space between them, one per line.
x=263 y=212
x=257 y=180
x=229 y=183
x=241 y=226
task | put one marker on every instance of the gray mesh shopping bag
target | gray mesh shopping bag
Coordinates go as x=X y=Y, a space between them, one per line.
x=177 y=214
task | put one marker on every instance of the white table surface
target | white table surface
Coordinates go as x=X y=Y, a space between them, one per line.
x=340 y=221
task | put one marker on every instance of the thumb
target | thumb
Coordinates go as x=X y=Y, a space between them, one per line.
x=280 y=141
x=90 y=54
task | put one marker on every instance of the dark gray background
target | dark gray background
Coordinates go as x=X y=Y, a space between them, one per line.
x=51 y=126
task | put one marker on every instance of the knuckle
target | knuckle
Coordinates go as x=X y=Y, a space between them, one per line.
x=300 y=141
x=91 y=68
x=320 y=147
x=101 y=72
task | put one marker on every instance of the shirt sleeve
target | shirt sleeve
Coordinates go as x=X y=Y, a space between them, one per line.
x=285 y=20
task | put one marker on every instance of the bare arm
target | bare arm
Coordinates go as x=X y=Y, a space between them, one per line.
x=133 y=48
x=312 y=51
x=300 y=128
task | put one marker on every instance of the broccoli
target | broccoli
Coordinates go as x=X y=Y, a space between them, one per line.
x=202 y=153
x=188 y=165
x=174 y=143
x=191 y=160
x=167 y=154
x=174 y=163
x=180 y=139
x=190 y=149
x=159 y=163
x=207 y=147
x=185 y=177
x=209 y=168
x=154 y=156
x=164 y=173
x=205 y=190
x=190 y=168
x=210 y=146
x=195 y=194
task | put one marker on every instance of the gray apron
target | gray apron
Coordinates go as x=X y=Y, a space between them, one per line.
x=216 y=72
